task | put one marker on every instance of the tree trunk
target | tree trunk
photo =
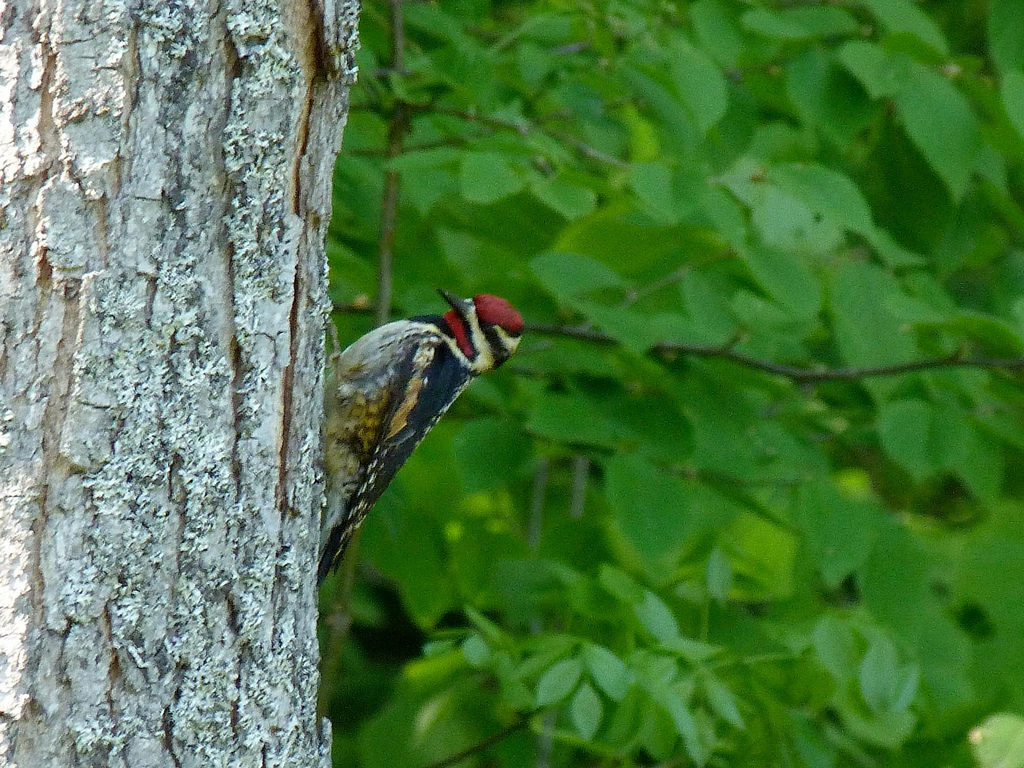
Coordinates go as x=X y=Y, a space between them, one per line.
x=165 y=187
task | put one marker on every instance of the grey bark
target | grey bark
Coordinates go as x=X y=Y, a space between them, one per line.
x=165 y=187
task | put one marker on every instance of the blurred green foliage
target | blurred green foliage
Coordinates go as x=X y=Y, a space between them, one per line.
x=678 y=559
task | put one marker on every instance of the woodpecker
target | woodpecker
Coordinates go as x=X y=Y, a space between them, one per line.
x=386 y=391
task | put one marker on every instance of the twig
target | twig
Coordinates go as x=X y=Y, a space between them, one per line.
x=578 y=495
x=793 y=372
x=389 y=206
x=490 y=741
x=796 y=373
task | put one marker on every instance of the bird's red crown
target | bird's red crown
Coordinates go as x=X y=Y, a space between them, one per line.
x=497 y=311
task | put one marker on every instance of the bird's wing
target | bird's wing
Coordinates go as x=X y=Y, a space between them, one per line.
x=380 y=413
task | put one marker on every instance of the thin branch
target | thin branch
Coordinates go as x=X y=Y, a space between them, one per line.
x=578 y=495
x=389 y=206
x=490 y=741
x=397 y=37
x=585 y=149
x=796 y=373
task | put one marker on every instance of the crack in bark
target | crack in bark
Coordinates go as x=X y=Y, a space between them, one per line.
x=232 y=69
x=99 y=209
x=287 y=393
x=303 y=142
x=55 y=468
x=233 y=627
x=168 y=729
x=49 y=148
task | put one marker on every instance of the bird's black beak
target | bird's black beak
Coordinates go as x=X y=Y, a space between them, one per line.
x=461 y=306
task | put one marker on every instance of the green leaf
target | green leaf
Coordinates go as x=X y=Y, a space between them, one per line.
x=828 y=97
x=763 y=554
x=657 y=618
x=643 y=137
x=409 y=550
x=586 y=710
x=962 y=449
x=878 y=673
x=1012 y=92
x=907 y=682
x=571 y=419
x=438 y=648
x=717 y=30
x=927 y=437
x=810 y=744
x=686 y=726
x=771 y=23
x=476 y=651
x=693 y=651
x=487 y=177
x=787 y=224
x=867 y=330
x=999 y=742
x=558 y=682
x=607 y=670
x=649 y=507
x=903 y=16
x=1005 y=21
x=723 y=702
x=800 y=23
x=699 y=83
x=836 y=647
x=787 y=278
x=611 y=232
x=993 y=335
x=548 y=650
x=652 y=183
x=426 y=187
x=488 y=629
x=425 y=159
x=994 y=549
x=905 y=427
x=880 y=74
x=571 y=275
x=633 y=330
x=839 y=531
x=826 y=192
x=568 y=199
x=656 y=734
x=534 y=63
x=619 y=584
x=941 y=123
x=936 y=116
x=707 y=308
x=719 y=576
x=490 y=453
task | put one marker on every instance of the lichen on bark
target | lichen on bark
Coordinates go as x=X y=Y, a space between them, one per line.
x=165 y=173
